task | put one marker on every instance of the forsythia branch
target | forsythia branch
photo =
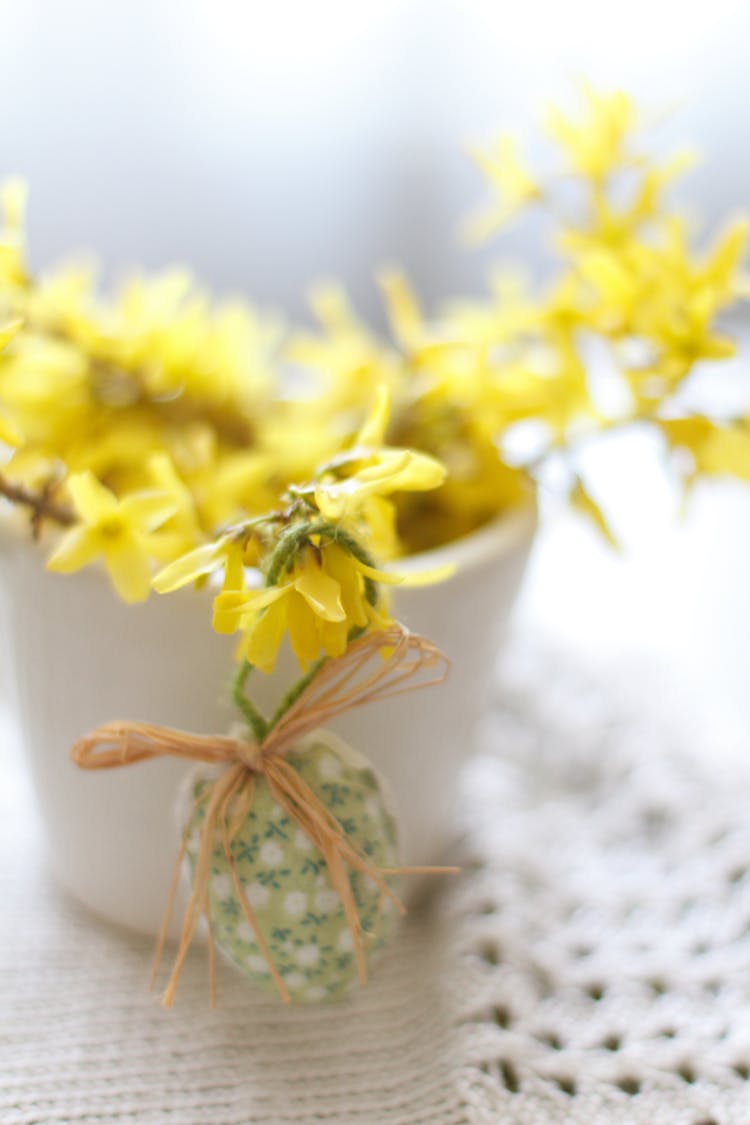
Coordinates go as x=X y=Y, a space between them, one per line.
x=41 y=504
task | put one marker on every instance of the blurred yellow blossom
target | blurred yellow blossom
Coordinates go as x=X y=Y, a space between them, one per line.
x=582 y=501
x=321 y=583
x=13 y=274
x=10 y=434
x=261 y=440
x=372 y=470
x=512 y=185
x=599 y=141
x=715 y=449
x=227 y=552
x=120 y=531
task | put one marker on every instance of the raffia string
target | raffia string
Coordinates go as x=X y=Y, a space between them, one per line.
x=378 y=665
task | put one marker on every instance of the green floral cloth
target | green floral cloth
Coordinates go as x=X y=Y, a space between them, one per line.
x=286 y=880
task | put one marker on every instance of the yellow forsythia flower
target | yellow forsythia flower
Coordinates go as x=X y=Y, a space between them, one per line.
x=119 y=531
x=9 y=434
x=512 y=185
x=371 y=469
x=597 y=143
x=211 y=404
x=225 y=553
x=317 y=602
x=714 y=449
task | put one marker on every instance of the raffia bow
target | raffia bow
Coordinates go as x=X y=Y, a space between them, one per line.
x=378 y=665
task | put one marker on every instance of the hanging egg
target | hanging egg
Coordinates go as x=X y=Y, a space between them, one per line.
x=286 y=881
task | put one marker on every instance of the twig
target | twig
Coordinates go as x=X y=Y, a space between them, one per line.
x=41 y=504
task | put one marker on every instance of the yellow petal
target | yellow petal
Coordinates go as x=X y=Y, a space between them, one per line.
x=234 y=572
x=372 y=434
x=430 y=576
x=93 y=502
x=388 y=577
x=162 y=469
x=379 y=516
x=403 y=310
x=340 y=565
x=512 y=186
x=129 y=568
x=728 y=453
x=8 y=331
x=378 y=615
x=303 y=632
x=387 y=463
x=392 y=470
x=727 y=255
x=77 y=549
x=402 y=469
x=10 y=434
x=335 y=497
x=148 y=510
x=232 y=608
x=321 y=592
x=227 y=620
x=163 y=546
x=265 y=635
x=13 y=197
x=584 y=503
x=421 y=473
x=195 y=564
x=334 y=636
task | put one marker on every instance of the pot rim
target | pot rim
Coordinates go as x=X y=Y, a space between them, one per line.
x=497 y=537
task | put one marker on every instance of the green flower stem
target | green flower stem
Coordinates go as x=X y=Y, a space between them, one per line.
x=292 y=539
x=255 y=721
x=289 y=544
x=295 y=691
x=350 y=544
x=287 y=547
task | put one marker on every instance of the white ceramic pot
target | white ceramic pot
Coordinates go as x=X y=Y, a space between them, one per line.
x=82 y=657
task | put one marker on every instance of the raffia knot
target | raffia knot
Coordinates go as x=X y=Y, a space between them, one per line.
x=250 y=755
x=378 y=665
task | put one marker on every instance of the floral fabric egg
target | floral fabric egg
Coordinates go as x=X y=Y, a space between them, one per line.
x=286 y=881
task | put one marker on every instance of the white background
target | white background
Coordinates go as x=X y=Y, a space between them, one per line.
x=270 y=143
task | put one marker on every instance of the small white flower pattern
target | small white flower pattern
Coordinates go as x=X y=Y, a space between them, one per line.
x=294 y=981
x=307 y=955
x=295 y=904
x=271 y=853
x=302 y=841
x=257 y=964
x=326 y=900
x=221 y=887
x=287 y=885
x=246 y=933
x=257 y=895
x=372 y=808
x=331 y=768
x=345 y=941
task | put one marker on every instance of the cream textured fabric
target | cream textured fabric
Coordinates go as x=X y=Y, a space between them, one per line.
x=592 y=964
